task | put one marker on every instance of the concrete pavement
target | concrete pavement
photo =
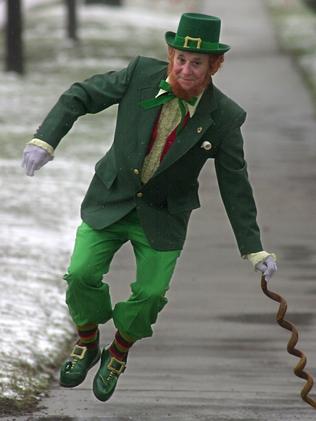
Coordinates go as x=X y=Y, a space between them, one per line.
x=217 y=353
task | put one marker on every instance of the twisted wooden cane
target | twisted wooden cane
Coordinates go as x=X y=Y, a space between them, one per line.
x=299 y=368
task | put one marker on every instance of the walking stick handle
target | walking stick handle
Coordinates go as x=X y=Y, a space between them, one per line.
x=299 y=368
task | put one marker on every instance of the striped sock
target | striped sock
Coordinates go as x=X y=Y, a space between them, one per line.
x=88 y=335
x=120 y=346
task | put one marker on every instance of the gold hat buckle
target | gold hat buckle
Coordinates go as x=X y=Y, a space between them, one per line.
x=187 y=39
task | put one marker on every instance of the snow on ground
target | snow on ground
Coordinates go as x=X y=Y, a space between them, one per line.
x=39 y=214
x=295 y=26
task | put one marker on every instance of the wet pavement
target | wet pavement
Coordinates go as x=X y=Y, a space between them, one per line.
x=217 y=353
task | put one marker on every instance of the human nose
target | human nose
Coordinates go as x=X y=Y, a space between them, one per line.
x=186 y=69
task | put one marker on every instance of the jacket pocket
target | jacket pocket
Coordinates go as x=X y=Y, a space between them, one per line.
x=183 y=202
x=106 y=169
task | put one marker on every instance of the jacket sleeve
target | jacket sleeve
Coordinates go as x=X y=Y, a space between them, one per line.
x=90 y=96
x=235 y=189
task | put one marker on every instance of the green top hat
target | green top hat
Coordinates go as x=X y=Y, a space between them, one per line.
x=197 y=33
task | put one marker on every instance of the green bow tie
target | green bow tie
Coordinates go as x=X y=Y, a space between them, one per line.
x=166 y=97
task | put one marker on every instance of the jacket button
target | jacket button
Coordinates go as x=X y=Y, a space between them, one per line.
x=136 y=171
x=139 y=194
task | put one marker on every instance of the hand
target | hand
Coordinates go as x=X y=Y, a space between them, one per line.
x=267 y=267
x=34 y=157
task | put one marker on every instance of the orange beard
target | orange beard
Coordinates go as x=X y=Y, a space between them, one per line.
x=181 y=92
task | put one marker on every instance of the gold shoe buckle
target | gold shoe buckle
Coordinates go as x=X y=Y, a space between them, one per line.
x=78 y=352
x=114 y=369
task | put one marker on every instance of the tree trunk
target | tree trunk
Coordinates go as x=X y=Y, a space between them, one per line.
x=72 y=22
x=311 y=4
x=14 y=43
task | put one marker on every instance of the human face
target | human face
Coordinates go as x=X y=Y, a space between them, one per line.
x=190 y=70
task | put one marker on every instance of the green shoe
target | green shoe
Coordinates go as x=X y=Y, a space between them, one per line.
x=75 y=368
x=107 y=376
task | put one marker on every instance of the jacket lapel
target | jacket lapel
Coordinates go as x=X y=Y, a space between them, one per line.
x=192 y=132
x=148 y=117
x=188 y=137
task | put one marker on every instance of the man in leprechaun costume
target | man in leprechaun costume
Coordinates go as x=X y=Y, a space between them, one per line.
x=171 y=119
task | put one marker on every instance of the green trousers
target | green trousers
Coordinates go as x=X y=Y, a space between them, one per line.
x=88 y=296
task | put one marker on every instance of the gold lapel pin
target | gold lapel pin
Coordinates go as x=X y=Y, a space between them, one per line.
x=199 y=129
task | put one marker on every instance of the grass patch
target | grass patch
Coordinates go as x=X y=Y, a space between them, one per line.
x=28 y=384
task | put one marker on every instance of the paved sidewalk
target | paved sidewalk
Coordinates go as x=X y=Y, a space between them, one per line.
x=217 y=353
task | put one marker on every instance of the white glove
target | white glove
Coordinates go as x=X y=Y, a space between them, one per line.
x=34 y=157
x=263 y=262
x=267 y=267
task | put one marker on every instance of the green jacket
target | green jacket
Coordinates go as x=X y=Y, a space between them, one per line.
x=164 y=204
